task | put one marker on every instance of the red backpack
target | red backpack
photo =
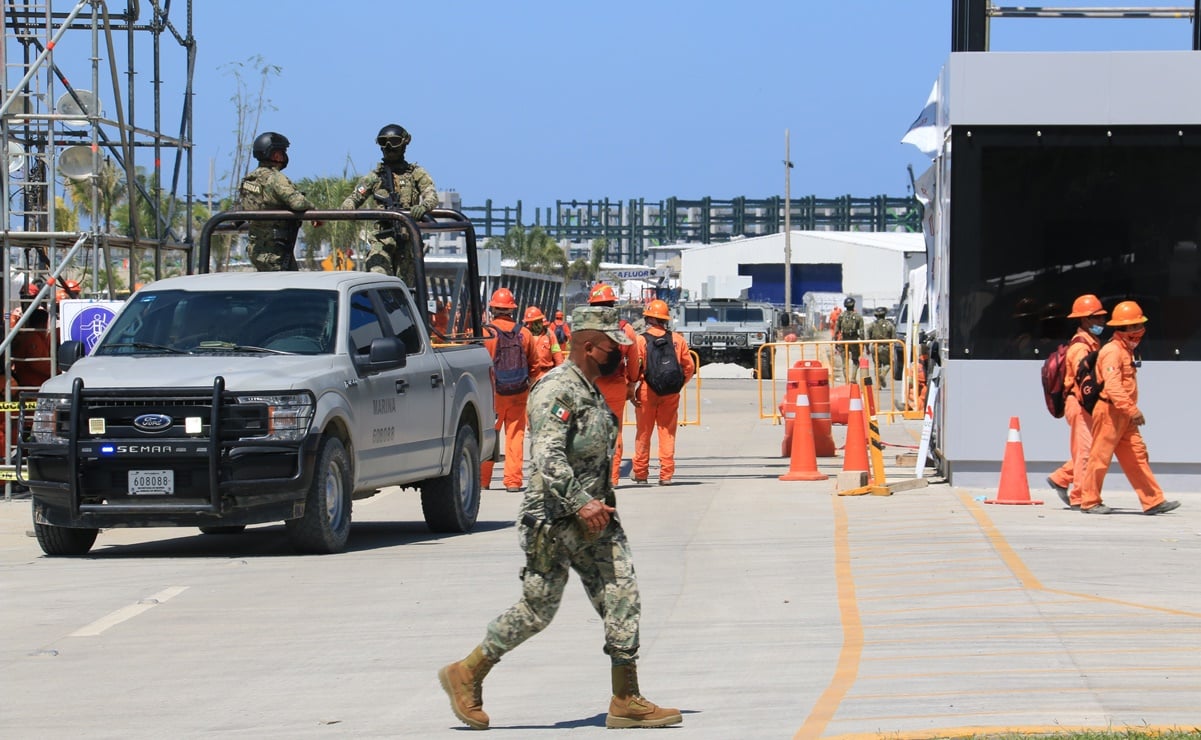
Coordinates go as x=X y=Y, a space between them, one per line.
x=511 y=367
x=1053 y=371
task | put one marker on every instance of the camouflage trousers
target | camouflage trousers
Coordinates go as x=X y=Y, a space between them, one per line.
x=272 y=246
x=388 y=257
x=605 y=567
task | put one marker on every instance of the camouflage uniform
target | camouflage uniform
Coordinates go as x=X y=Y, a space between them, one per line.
x=272 y=243
x=850 y=329
x=413 y=186
x=573 y=434
x=881 y=329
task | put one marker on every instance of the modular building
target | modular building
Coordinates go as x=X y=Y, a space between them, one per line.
x=1061 y=174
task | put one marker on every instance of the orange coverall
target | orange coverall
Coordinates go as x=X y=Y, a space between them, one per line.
x=510 y=412
x=1114 y=434
x=548 y=353
x=1080 y=422
x=617 y=388
x=659 y=412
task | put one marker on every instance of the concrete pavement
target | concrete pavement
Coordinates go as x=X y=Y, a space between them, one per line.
x=770 y=609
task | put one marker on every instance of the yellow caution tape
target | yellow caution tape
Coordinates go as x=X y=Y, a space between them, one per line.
x=7 y=406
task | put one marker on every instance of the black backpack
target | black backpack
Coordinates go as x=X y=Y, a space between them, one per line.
x=1087 y=383
x=663 y=372
x=511 y=367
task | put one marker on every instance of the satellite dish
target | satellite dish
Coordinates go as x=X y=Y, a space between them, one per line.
x=76 y=162
x=67 y=106
x=14 y=153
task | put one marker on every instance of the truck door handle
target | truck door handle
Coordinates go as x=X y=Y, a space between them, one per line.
x=435 y=380
x=402 y=385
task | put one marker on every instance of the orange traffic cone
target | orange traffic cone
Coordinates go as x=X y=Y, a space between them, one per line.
x=803 y=463
x=854 y=456
x=1014 y=488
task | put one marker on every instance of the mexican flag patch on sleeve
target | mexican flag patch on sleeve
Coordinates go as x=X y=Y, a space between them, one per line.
x=561 y=412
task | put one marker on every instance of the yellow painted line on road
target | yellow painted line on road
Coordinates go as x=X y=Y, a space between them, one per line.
x=970 y=730
x=1008 y=556
x=126 y=613
x=852 y=633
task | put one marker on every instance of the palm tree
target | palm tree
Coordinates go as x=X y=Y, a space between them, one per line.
x=327 y=194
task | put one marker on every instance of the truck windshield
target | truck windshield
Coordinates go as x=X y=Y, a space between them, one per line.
x=290 y=321
x=724 y=314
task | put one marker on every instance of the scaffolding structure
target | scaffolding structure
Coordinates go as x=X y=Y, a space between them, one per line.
x=73 y=158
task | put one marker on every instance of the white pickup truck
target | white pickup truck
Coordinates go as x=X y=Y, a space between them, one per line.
x=227 y=399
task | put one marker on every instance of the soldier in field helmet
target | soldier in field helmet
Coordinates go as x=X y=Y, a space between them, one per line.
x=397 y=185
x=881 y=330
x=272 y=244
x=849 y=329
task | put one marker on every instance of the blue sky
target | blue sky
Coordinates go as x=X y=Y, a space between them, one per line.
x=541 y=100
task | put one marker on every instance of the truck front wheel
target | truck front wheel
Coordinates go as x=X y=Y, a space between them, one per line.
x=325 y=526
x=451 y=503
x=64 y=541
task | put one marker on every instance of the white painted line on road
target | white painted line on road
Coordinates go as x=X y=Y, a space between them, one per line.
x=128 y=612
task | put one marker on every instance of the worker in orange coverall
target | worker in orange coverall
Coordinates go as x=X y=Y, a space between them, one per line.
x=510 y=407
x=549 y=354
x=655 y=411
x=1116 y=419
x=619 y=376
x=1087 y=339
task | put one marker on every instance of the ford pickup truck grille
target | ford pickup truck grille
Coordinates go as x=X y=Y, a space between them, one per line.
x=706 y=339
x=125 y=418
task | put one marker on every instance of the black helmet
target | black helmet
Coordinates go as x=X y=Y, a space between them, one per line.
x=881 y=311
x=268 y=142
x=393 y=136
x=849 y=302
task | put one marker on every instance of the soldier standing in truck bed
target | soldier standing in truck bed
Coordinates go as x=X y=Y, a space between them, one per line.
x=394 y=184
x=272 y=244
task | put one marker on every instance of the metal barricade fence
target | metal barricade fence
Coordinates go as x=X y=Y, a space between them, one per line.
x=836 y=355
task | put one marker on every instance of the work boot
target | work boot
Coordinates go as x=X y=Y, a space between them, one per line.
x=1098 y=509
x=1162 y=507
x=464 y=684
x=628 y=708
x=1060 y=491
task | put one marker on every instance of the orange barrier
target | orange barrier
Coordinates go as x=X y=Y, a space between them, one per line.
x=817 y=387
x=854 y=456
x=803 y=462
x=1014 y=488
x=840 y=404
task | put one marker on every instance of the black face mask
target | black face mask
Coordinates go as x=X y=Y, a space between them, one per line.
x=612 y=360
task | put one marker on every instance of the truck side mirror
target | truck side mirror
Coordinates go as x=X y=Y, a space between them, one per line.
x=69 y=352
x=386 y=353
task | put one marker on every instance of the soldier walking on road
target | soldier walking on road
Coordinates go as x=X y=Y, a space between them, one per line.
x=849 y=329
x=272 y=244
x=882 y=329
x=395 y=184
x=569 y=522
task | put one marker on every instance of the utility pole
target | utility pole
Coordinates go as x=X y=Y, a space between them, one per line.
x=787 y=228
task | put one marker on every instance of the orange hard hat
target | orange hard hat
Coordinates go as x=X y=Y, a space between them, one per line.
x=1127 y=313
x=602 y=293
x=502 y=298
x=1086 y=305
x=790 y=337
x=533 y=313
x=657 y=309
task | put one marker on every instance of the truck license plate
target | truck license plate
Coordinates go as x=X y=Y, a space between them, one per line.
x=151 y=482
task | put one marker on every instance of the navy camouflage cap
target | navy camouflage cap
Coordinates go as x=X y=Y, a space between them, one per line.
x=599 y=318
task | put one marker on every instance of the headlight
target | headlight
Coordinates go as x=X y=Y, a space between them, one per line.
x=288 y=415
x=46 y=419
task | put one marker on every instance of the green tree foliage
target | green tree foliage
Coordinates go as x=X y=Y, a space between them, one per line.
x=327 y=194
x=533 y=250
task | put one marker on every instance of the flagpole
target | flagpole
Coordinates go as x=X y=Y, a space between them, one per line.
x=787 y=228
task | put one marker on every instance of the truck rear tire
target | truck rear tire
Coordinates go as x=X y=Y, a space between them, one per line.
x=452 y=503
x=60 y=542
x=325 y=526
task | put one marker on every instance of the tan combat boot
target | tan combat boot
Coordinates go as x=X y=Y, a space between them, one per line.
x=628 y=708
x=464 y=684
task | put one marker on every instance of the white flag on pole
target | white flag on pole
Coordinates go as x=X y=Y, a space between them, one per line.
x=924 y=133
